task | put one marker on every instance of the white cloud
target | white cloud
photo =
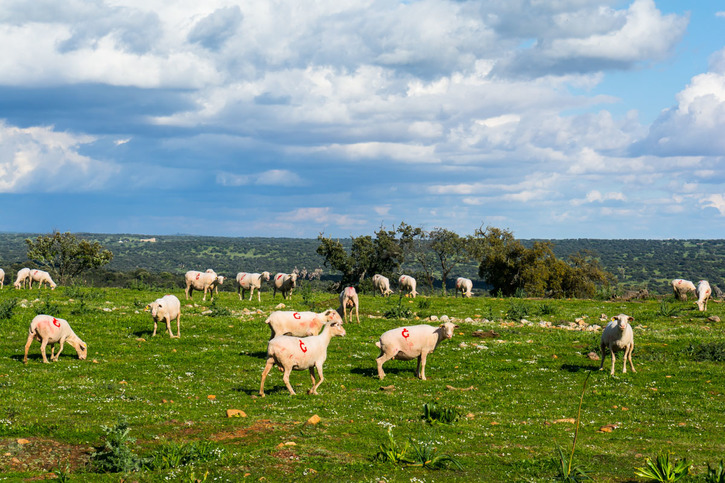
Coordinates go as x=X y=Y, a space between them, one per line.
x=272 y=177
x=716 y=201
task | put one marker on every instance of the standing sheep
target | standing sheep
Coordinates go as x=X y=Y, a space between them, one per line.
x=23 y=278
x=251 y=281
x=284 y=282
x=465 y=286
x=381 y=284
x=300 y=324
x=166 y=308
x=299 y=354
x=410 y=342
x=406 y=283
x=349 y=300
x=205 y=281
x=681 y=288
x=618 y=336
x=703 y=292
x=2 y=278
x=41 y=277
x=50 y=330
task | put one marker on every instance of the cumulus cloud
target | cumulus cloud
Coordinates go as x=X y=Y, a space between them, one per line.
x=272 y=177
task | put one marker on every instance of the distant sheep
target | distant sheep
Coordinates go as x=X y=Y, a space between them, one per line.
x=2 y=278
x=166 y=308
x=349 y=300
x=22 y=279
x=41 y=277
x=410 y=342
x=300 y=324
x=251 y=281
x=682 y=287
x=284 y=283
x=50 y=330
x=381 y=284
x=406 y=283
x=618 y=336
x=703 y=292
x=202 y=281
x=465 y=286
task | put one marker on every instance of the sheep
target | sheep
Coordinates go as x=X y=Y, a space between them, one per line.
x=407 y=283
x=2 y=278
x=703 y=292
x=464 y=286
x=50 y=330
x=682 y=287
x=166 y=308
x=201 y=281
x=406 y=343
x=299 y=324
x=349 y=300
x=618 y=336
x=23 y=278
x=251 y=281
x=296 y=353
x=220 y=281
x=284 y=282
x=41 y=277
x=381 y=284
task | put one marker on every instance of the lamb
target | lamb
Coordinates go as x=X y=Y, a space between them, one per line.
x=50 y=330
x=41 y=277
x=23 y=278
x=703 y=292
x=406 y=343
x=682 y=287
x=166 y=308
x=407 y=284
x=349 y=300
x=284 y=282
x=300 y=324
x=251 y=281
x=465 y=286
x=201 y=281
x=2 y=278
x=296 y=353
x=381 y=284
x=618 y=336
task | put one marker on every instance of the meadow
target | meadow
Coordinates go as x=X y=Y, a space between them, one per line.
x=515 y=389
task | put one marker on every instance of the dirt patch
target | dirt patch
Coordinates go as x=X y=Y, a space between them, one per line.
x=37 y=454
x=261 y=426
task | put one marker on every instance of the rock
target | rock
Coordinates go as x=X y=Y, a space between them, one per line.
x=23 y=441
x=433 y=318
x=387 y=388
x=607 y=428
x=211 y=397
x=565 y=420
x=468 y=320
x=490 y=334
x=314 y=419
x=280 y=306
x=462 y=345
x=445 y=318
x=236 y=413
x=451 y=388
x=714 y=318
x=206 y=312
x=593 y=356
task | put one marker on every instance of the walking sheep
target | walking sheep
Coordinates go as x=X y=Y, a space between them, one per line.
x=300 y=324
x=618 y=336
x=205 y=281
x=166 y=308
x=284 y=283
x=251 y=281
x=410 y=342
x=349 y=300
x=681 y=288
x=2 y=278
x=50 y=330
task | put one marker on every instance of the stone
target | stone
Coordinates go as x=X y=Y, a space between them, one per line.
x=236 y=413
x=314 y=419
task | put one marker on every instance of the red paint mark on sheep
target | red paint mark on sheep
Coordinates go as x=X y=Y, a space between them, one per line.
x=405 y=333
x=302 y=346
x=198 y=275
x=280 y=276
x=297 y=316
x=55 y=322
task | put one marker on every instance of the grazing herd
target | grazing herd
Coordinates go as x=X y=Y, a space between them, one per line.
x=299 y=340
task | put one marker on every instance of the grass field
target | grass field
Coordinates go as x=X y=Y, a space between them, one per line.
x=516 y=390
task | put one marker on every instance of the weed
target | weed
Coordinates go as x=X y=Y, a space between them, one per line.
x=307 y=296
x=116 y=456
x=667 y=310
x=565 y=471
x=6 y=308
x=174 y=455
x=398 y=312
x=62 y=473
x=423 y=303
x=425 y=455
x=715 y=475
x=664 y=470
x=48 y=307
x=545 y=309
x=710 y=351
x=391 y=451
x=517 y=310
x=433 y=414
x=217 y=311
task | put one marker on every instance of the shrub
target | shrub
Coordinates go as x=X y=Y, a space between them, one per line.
x=664 y=470
x=398 y=312
x=433 y=414
x=715 y=475
x=517 y=310
x=116 y=455
x=667 y=310
x=6 y=308
x=710 y=351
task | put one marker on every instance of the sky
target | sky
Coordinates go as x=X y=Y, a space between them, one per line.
x=549 y=118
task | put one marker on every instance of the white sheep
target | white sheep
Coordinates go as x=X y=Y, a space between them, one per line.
x=703 y=292
x=284 y=282
x=618 y=336
x=51 y=330
x=41 y=277
x=406 y=283
x=251 y=281
x=22 y=279
x=205 y=281
x=465 y=286
x=381 y=284
x=300 y=324
x=296 y=353
x=166 y=308
x=410 y=342
x=682 y=287
x=2 y=278
x=349 y=300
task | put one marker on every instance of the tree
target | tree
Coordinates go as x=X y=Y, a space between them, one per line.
x=450 y=250
x=65 y=256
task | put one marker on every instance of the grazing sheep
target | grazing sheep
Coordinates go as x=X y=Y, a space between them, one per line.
x=349 y=300
x=299 y=354
x=284 y=282
x=251 y=281
x=201 y=281
x=681 y=288
x=300 y=324
x=23 y=278
x=166 y=308
x=703 y=292
x=41 y=277
x=2 y=278
x=220 y=281
x=406 y=283
x=618 y=336
x=406 y=343
x=50 y=330
x=381 y=284
x=465 y=286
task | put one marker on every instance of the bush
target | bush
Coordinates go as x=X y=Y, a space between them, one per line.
x=710 y=351
x=116 y=455
x=6 y=308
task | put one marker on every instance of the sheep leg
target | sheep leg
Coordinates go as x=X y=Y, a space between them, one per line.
x=382 y=359
x=285 y=378
x=156 y=324
x=188 y=291
x=43 y=344
x=421 y=365
x=168 y=326
x=628 y=355
x=319 y=380
x=52 y=348
x=270 y=363
x=611 y=352
x=312 y=376
x=31 y=338
x=602 y=348
x=203 y=299
x=357 y=314
x=178 y=326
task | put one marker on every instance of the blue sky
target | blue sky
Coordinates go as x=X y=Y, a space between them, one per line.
x=566 y=119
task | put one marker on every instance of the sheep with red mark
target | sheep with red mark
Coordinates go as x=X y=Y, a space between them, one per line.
x=349 y=300
x=22 y=278
x=2 y=278
x=50 y=330
x=465 y=286
x=682 y=287
x=42 y=277
x=703 y=292
x=166 y=308
x=618 y=336
x=300 y=324
x=381 y=284
x=406 y=283
x=410 y=342
x=251 y=281
x=201 y=281
x=297 y=353
x=284 y=283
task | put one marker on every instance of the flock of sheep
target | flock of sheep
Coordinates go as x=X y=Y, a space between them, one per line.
x=296 y=342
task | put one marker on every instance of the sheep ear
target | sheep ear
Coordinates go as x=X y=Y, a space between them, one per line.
x=631 y=319
x=613 y=318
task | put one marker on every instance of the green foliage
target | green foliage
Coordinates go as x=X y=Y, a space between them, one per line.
x=62 y=473
x=65 y=256
x=450 y=250
x=423 y=303
x=175 y=455
x=545 y=309
x=398 y=312
x=667 y=310
x=715 y=475
x=566 y=472
x=47 y=306
x=664 y=470
x=414 y=453
x=391 y=451
x=434 y=414
x=708 y=351
x=7 y=307
x=517 y=310
x=218 y=311
x=116 y=455
x=307 y=296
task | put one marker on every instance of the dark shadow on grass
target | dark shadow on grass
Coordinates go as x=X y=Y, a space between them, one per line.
x=141 y=333
x=366 y=371
x=577 y=368
x=256 y=354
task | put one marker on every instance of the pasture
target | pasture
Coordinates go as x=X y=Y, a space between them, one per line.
x=516 y=391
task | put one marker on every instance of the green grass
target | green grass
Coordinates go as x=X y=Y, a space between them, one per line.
x=520 y=386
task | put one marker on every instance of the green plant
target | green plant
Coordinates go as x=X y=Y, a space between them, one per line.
x=710 y=351
x=307 y=295
x=425 y=455
x=667 y=310
x=565 y=471
x=423 y=303
x=175 y=455
x=517 y=310
x=116 y=455
x=433 y=414
x=217 y=311
x=664 y=470
x=398 y=312
x=6 y=308
x=715 y=475
x=62 y=473
x=546 y=309
x=391 y=451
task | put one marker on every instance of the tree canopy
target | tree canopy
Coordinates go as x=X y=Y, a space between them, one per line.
x=65 y=256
